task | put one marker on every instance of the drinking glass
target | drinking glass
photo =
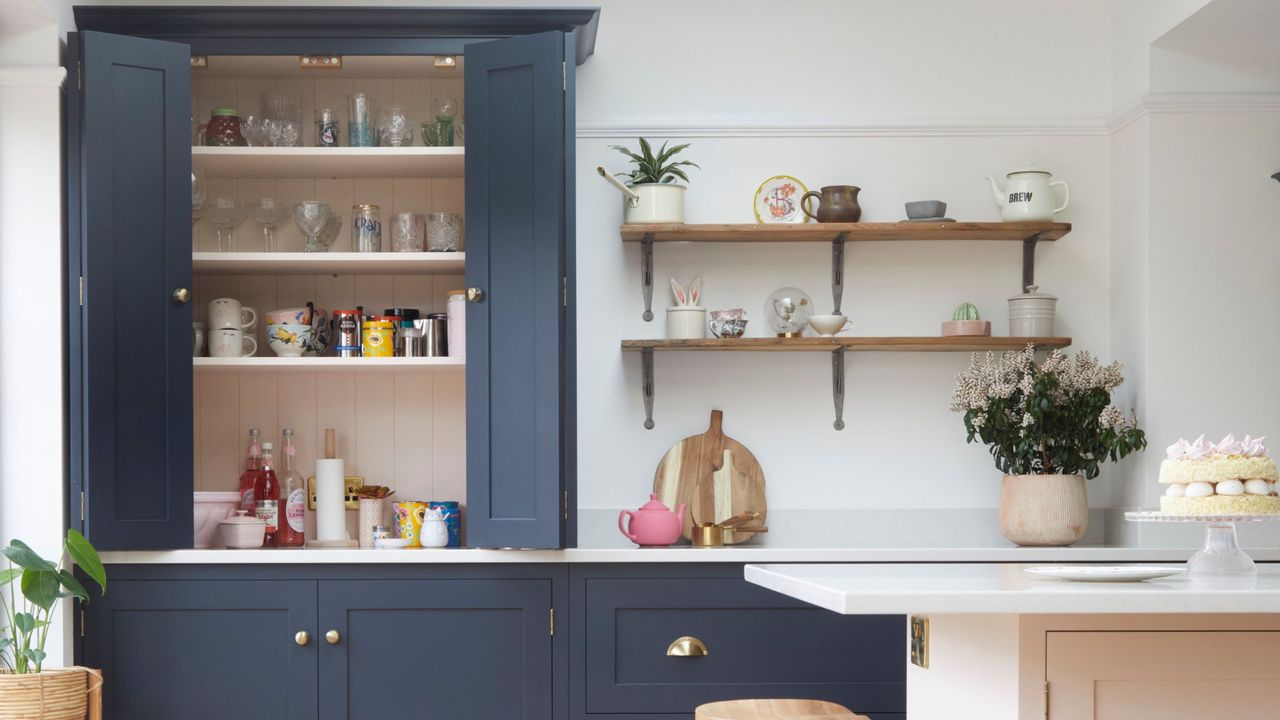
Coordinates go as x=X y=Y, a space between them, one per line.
x=199 y=188
x=310 y=217
x=227 y=214
x=360 y=126
x=281 y=105
x=395 y=129
x=408 y=233
x=270 y=214
x=330 y=231
x=290 y=133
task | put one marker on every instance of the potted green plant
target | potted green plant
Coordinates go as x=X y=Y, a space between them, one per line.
x=652 y=195
x=31 y=588
x=966 y=321
x=1048 y=426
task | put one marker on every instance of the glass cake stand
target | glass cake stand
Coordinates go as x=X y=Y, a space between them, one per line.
x=1221 y=555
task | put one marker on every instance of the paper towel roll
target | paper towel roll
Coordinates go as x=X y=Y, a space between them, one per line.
x=331 y=486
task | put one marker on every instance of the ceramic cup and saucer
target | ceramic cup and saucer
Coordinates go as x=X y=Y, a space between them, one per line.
x=919 y=211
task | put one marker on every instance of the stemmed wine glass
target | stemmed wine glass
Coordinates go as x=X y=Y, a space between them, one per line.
x=270 y=214
x=329 y=232
x=311 y=216
x=227 y=214
x=199 y=189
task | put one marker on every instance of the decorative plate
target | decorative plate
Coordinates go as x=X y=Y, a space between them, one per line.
x=1103 y=573
x=778 y=200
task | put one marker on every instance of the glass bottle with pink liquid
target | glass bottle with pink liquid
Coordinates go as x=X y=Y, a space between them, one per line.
x=252 y=468
x=293 y=490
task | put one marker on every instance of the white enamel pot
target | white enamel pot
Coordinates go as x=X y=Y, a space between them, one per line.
x=649 y=203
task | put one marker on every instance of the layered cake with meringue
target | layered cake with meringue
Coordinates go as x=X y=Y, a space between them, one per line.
x=1232 y=477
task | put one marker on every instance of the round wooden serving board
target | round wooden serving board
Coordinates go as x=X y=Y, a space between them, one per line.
x=716 y=476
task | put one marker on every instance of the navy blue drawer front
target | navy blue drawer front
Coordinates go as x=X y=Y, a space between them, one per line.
x=760 y=644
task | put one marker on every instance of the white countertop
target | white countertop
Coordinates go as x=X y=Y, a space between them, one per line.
x=679 y=554
x=950 y=589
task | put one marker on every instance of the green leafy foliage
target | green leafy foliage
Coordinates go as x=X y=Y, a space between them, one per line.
x=654 y=168
x=25 y=618
x=1049 y=418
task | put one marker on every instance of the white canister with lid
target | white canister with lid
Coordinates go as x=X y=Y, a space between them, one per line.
x=242 y=531
x=1031 y=314
x=686 y=322
x=457 y=333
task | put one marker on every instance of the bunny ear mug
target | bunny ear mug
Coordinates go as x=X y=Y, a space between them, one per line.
x=687 y=320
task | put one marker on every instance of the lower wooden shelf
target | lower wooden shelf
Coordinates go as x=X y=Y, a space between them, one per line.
x=328 y=364
x=865 y=344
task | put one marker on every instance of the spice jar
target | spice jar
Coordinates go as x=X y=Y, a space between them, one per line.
x=224 y=129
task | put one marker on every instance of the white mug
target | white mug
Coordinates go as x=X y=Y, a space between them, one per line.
x=198 y=334
x=228 y=313
x=230 y=342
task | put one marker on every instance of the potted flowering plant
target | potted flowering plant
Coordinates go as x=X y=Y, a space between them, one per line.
x=1048 y=426
x=31 y=589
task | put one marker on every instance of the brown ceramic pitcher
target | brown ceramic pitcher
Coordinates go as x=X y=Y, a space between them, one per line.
x=836 y=204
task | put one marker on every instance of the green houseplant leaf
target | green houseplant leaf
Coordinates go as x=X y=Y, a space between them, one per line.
x=41 y=587
x=654 y=168
x=73 y=586
x=8 y=575
x=86 y=557
x=23 y=556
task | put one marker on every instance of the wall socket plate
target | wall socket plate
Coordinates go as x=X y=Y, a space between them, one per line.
x=351 y=501
x=920 y=641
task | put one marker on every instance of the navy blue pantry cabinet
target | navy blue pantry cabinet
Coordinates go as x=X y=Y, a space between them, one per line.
x=129 y=254
x=329 y=643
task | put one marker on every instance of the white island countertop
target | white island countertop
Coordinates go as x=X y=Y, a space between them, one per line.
x=945 y=589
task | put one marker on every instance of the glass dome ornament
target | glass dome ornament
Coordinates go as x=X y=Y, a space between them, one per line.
x=787 y=310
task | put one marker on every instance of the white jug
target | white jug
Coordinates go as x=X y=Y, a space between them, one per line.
x=434 y=532
x=1028 y=195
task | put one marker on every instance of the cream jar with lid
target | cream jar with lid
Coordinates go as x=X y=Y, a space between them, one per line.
x=457 y=329
x=242 y=532
x=1031 y=314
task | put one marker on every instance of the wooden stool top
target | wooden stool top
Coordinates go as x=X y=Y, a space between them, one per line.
x=775 y=710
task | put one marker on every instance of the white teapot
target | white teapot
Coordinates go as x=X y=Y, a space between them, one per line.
x=1028 y=195
x=434 y=532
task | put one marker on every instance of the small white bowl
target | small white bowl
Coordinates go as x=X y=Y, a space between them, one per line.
x=391 y=543
x=828 y=325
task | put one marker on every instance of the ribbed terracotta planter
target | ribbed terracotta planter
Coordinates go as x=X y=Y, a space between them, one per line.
x=61 y=694
x=1044 y=510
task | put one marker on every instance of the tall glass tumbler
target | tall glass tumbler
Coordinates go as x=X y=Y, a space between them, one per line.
x=360 y=120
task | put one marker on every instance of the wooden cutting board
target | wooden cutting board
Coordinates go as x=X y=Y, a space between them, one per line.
x=715 y=475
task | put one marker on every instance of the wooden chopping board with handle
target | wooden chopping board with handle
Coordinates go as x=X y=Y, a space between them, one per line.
x=716 y=476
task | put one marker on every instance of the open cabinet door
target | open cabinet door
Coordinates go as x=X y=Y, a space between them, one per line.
x=520 y=454
x=129 y=161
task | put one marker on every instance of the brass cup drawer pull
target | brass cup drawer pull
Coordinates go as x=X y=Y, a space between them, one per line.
x=332 y=637
x=687 y=646
x=302 y=637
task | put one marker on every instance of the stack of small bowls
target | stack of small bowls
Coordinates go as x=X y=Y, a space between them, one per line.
x=294 y=332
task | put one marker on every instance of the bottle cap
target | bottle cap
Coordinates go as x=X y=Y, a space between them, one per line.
x=267 y=446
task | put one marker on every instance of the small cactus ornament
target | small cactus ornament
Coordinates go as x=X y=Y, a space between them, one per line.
x=966 y=311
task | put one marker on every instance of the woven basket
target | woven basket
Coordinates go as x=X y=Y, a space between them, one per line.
x=60 y=694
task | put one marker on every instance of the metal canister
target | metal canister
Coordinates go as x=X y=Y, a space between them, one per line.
x=346 y=325
x=435 y=334
x=399 y=316
x=379 y=337
x=409 y=340
x=366 y=228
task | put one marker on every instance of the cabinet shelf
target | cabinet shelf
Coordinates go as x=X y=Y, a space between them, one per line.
x=328 y=364
x=866 y=344
x=853 y=232
x=339 y=162
x=335 y=263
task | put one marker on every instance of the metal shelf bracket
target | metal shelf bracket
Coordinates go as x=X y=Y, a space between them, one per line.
x=646 y=274
x=646 y=387
x=837 y=385
x=1029 y=260
x=837 y=271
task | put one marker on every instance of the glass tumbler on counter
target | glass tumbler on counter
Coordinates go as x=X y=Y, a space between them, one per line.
x=366 y=228
x=444 y=232
x=408 y=232
x=360 y=120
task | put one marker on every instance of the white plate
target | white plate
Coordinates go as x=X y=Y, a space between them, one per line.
x=778 y=200
x=1103 y=573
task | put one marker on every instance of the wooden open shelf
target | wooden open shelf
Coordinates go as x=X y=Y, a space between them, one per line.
x=328 y=263
x=866 y=344
x=339 y=162
x=856 y=232
x=328 y=364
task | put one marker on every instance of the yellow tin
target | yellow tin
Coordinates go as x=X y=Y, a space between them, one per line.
x=408 y=518
x=379 y=336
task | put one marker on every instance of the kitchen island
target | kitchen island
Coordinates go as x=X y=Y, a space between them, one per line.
x=991 y=641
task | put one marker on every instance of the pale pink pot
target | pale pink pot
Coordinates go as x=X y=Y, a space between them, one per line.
x=966 y=328
x=1045 y=510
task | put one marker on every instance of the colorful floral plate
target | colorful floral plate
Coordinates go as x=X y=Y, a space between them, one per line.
x=778 y=200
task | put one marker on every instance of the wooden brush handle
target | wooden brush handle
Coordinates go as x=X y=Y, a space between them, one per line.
x=330 y=443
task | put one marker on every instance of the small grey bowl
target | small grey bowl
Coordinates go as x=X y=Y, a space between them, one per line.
x=925 y=209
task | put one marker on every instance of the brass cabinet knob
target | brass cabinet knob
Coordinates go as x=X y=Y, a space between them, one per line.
x=332 y=637
x=302 y=637
x=475 y=294
x=687 y=646
x=182 y=295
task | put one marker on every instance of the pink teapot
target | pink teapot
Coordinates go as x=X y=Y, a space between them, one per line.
x=653 y=524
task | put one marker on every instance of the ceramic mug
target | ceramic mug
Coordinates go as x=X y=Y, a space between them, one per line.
x=230 y=342
x=198 y=334
x=228 y=313
x=828 y=325
x=731 y=323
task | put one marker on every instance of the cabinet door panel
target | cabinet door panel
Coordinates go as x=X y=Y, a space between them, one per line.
x=134 y=233
x=516 y=335
x=436 y=648
x=209 y=649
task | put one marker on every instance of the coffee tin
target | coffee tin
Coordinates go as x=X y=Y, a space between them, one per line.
x=346 y=325
x=379 y=337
